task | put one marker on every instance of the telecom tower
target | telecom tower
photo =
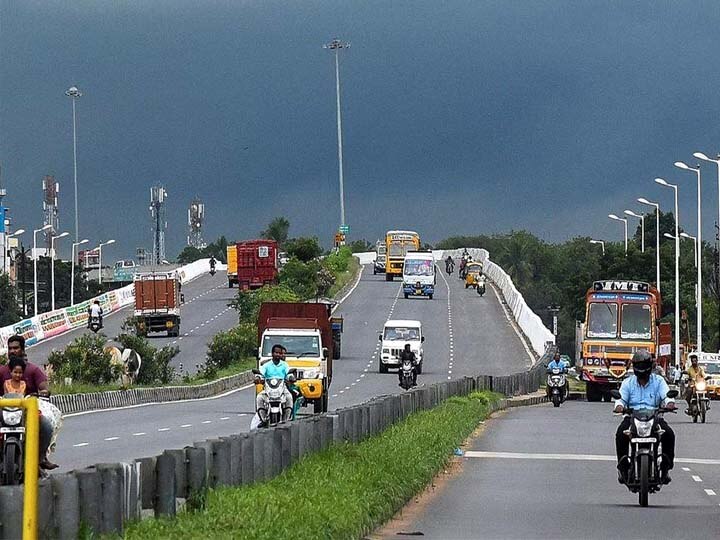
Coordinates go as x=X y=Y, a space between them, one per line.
x=159 y=224
x=3 y=231
x=196 y=219
x=50 y=208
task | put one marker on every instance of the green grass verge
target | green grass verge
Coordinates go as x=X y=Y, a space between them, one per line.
x=345 y=277
x=237 y=367
x=344 y=492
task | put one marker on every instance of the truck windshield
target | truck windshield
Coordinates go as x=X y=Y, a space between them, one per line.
x=711 y=369
x=418 y=267
x=401 y=334
x=602 y=320
x=397 y=249
x=636 y=321
x=306 y=346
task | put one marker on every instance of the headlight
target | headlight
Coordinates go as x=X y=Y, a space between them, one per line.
x=643 y=428
x=12 y=417
x=311 y=374
x=700 y=386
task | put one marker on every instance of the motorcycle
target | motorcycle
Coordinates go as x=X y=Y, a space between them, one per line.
x=699 y=403
x=556 y=383
x=645 y=449
x=449 y=268
x=480 y=287
x=12 y=435
x=212 y=271
x=274 y=399
x=95 y=324
x=406 y=380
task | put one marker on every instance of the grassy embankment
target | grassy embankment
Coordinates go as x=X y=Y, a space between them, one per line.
x=344 y=492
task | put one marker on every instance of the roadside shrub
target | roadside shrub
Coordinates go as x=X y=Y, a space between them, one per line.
x=155 y=367
x=247 y=303
x=300 y=277
x=85 y=361
x=338 y=262
x=231 y=346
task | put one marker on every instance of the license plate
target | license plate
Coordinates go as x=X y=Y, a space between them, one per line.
x=12 y=430
x=644 y=440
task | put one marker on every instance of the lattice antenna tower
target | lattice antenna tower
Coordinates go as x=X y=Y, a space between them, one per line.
x=196 y=220
x=159 y=224
x=51 y=188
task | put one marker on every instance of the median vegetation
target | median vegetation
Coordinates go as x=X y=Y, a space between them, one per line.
x=344 y=492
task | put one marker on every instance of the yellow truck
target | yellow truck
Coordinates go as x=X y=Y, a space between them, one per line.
x=232 y=267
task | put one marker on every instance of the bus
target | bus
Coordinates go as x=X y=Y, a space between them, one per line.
x=397 y=244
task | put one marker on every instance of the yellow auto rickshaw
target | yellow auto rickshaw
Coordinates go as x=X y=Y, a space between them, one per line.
x=474 y=271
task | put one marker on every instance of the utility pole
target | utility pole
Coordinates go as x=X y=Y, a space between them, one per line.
x=554 y=309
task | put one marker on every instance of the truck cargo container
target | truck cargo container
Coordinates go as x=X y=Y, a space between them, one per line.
x=312 y=339
x=157 y=303
x=232 y=265
x=257 y=263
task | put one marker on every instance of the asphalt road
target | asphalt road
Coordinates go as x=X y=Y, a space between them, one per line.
x=483 y=341
x=203 y=314
x=497 y=497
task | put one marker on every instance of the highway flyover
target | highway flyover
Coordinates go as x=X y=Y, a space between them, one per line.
x=465 y=334
x=545 y=472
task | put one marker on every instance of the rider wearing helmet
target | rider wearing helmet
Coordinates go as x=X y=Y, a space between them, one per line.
x=643 y=390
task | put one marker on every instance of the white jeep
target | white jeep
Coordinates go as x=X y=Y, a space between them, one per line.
x=396 y=334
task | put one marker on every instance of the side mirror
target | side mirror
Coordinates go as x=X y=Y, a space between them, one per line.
x=672 y=394
x=256 y=372
x=325 y=353
x=292 y=371
x=259 y=351
x=616 y=394
x=422 y=338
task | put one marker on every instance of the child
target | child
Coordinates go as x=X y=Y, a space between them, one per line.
x=15 y=384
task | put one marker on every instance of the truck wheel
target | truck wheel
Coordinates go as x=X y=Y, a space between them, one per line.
x=336 y=350
x=430 y=296
x=388 y=277
x=324 y=402
x=317 y=405
x=383 y=368
x=229 y=284
x=418 y=368
x=593 y=392
x=406 y=296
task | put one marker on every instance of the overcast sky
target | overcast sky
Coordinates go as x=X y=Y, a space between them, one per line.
x=459 y=117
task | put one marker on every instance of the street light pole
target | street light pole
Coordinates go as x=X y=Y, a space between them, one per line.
x=100 y=259
x=74 y=93
x=602 y=244
x=35 y=258
x=696 y=170
x=643 y=200
x=700 y=155
x=663 y=182
x=695 y=244
x=624 y=220
x=642 y=227
x=335 y=45
x=72 y=270
x=52 y=267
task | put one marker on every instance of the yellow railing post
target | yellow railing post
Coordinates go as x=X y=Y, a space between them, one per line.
x=32 y=451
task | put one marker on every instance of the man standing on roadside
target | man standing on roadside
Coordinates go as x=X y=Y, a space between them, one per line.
x=35 y=383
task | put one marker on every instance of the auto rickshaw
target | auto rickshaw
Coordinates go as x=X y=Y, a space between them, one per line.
x=474 y=271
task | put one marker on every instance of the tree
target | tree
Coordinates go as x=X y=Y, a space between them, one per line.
x=9 y=309
x=304 y=249
x=277 y=230
x=189 y=254
x=361 y=246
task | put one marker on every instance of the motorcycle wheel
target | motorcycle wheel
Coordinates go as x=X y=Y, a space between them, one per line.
x=702 y=412
x=556 y=400
x=10 y=466
x=644 y=480
x=695 y=413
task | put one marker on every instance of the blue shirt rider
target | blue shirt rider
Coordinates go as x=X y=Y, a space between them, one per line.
x=558 y=363
x=277 y=368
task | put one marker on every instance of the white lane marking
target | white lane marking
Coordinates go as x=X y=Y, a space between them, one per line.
x=78 y=445
x=186 y=425
x=224 y=418
x=710 y=492
x=686 y=469
x=243 y=414
x=139 y=434
x=696 y=478
x=164 y=429
x=229 y=392
x=111 y=438
x=573 y=457
x=207 y=421
x=334 y=395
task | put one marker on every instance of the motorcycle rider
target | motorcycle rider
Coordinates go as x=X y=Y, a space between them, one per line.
x=449 y=265
x=278 y=368
x=562 y=365
x=643 y=390
x=35 y=383
x=95 y=311
x=695 y=373
x=407 y=354
x=212 y=263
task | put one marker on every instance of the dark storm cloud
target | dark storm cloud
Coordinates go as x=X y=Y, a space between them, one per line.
x=459 y=117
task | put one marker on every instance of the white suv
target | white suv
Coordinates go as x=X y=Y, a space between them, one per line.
x=396 y=334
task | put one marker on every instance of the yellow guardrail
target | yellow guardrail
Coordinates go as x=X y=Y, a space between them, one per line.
x=32 y=450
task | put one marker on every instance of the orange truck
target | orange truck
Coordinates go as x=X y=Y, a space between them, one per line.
x=157 y=303
x=621 y=317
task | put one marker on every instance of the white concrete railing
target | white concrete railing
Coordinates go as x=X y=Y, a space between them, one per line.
x=54 y=323
x=528 y=321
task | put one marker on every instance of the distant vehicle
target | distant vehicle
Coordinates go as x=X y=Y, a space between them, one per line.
x=124 y=270
x=232 y=265
x=419 y=274
x=397 y=244
x=283 y=258
x=257 y=263
x=712 y=370
x=396 y=334
x=157 y=303
x=379 y=264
